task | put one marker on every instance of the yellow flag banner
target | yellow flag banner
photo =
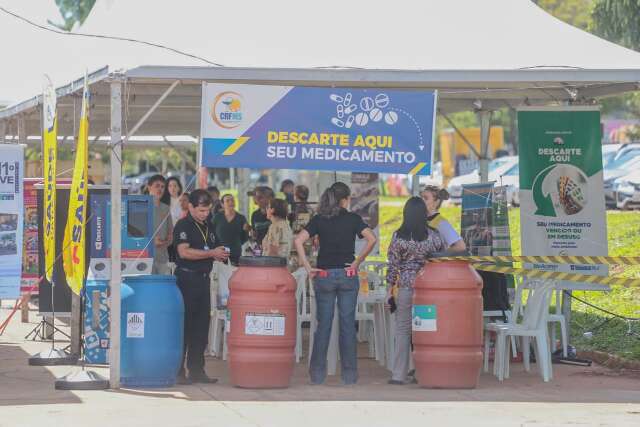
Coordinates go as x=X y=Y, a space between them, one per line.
x=74 y=235
x=50 y=158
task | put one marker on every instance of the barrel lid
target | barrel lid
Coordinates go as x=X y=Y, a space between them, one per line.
x=446 y=254
x=263 y=261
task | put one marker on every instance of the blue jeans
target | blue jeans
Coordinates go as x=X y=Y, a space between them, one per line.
x=327 y=289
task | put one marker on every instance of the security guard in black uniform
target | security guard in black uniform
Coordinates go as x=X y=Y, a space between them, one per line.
x=195 y=253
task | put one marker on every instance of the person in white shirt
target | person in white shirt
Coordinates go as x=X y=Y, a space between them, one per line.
x=171 y=197
x=433 y=197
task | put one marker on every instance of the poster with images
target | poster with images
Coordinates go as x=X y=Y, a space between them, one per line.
x=477 y=218
x=11 y=219
x=485 y=219
x=561 y=185
x=365 y=201
x=317 y=128
x=29 y=282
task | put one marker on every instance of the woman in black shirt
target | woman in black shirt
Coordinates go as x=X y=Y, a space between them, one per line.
x=335 y=278
x=230 y=228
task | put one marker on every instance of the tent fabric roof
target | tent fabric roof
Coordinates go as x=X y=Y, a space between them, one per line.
x=499 y=52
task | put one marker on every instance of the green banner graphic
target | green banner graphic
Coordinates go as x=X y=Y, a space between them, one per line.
x=561 y=190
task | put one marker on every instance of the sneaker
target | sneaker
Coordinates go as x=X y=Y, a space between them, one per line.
x=202 y=379
x=183 y=380
x=395 y=382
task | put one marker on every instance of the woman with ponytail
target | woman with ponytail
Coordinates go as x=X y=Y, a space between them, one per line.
x=335 y=278
x=433 y=197
x=410 y=246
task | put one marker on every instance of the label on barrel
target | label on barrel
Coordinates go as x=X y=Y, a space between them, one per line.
x=264 y=324
x=135 y=325
x=424 y=318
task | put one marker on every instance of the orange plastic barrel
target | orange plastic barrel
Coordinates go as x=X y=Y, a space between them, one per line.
x=447 y=325
x=262 y=337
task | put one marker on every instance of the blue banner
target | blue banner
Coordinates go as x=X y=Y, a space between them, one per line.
x=286 y=127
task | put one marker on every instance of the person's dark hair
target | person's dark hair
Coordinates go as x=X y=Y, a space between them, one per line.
x=166 y=197
x=225 y=195
x=330 y=200
x=285 y=183
x=440 y=194
x=301 y=192
x=279 y=207
x=265 y=191
x=154 y=178
x=213 y=189
x=414 y=220
x=200 y=197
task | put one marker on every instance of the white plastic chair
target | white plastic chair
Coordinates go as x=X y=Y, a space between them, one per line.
x=534 y=325
x=558 y=317
x=304 y=313
x=217 y=324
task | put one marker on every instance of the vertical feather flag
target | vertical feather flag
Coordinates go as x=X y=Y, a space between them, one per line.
x=75 y=231
x=50 y=156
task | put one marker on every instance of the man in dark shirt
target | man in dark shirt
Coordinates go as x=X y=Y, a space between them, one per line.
x=195 y=252
x=259 y=222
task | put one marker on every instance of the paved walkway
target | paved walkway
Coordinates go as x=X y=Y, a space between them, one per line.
x=577 y=396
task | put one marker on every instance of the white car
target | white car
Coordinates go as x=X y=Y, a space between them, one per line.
x=627 y=191
x=609 y=152
x=620 y=167
x=503 y=170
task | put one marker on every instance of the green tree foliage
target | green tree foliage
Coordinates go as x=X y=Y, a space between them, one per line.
x=574 y=12
x=618 y=21
x=73 y=12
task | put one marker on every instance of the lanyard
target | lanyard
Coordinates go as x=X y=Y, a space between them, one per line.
x=204 y=235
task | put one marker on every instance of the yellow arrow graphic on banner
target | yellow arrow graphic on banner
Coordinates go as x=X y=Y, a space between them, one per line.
x=417 y=168
x=231 y=150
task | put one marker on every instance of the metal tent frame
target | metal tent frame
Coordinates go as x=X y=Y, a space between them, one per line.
x=166 y=100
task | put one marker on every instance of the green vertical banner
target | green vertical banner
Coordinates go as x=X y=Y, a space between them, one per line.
x=562 y=208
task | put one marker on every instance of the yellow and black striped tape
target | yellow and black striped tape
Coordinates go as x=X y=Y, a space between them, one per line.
x=551 y=259
x=556 y=275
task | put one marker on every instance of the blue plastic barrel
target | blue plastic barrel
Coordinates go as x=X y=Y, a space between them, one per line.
x=96 y=321
x=151 y=331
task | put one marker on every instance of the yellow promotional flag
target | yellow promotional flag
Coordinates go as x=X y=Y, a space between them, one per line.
x=74 y=234
x=50 y=156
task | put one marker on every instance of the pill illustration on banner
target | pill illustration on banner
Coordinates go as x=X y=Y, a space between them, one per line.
x=382 y=100
x=366 y=103
x=350 y=109
x=336 y=121
x=340 y=111
x=347 y=99
x=362 y=119
x=375 y=115
x=391 y=118
x=336 y=98
x=349 y=122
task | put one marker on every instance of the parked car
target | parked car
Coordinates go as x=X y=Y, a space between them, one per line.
x=609 y=152
x=503 y=170
x=627 y=191
x=621 y=167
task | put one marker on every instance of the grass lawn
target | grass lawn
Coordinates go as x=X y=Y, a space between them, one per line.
x=614 y=336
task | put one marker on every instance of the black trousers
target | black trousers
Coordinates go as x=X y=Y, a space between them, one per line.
x=197 y=313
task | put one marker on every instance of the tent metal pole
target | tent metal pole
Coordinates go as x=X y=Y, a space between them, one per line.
x=152 y=109
x=484 y=117
x=116 y=202
x=460 y=134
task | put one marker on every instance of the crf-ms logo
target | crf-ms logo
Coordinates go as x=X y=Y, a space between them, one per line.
x=226 y=110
